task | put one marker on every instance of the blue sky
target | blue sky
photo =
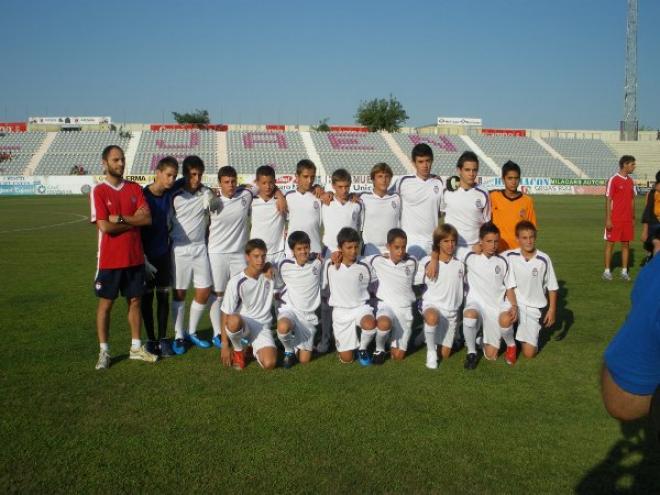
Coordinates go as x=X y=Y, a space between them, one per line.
x=515 y=63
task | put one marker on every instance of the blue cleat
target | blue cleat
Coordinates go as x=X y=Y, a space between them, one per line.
x=179 y=346
x=217 y=341
x=289 y=359
x=201 y=343
x=364 y=358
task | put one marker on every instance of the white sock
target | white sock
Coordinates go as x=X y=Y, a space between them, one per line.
x=235 y=338
x=214 y=313
x=135 y=344
x=429 y=332
x=178 y=315
x=366 y=338
x=381 y=339
x=607 y=270
x=470 y=334
x=196 y=313
x=507 y=335
x=287 y=340
x=105 y=347
x=624 y=270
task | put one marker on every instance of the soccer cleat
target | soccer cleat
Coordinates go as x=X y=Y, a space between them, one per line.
x=152 y=347
x=142 y=354
x=217 y=341
x=289 y=359
x=470 y=361
x=607 y=276
x=363 y=357
x=511 y=355
x=238 y=360
x=378 y=357
x=179 y=346
x=166 y=349
x=432 y=359
x=201 y=343
x=625 y=276
x=104 y=360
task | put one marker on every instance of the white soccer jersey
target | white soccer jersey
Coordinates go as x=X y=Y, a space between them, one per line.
x=467 y=210
x=303 y=284
x=533 y=277
x=348 y=285
x=305 y=215
x=251 y=297
x=488 y=278
x=446 y=291
x=189 y=216
x=380 y=214
x=395 y=280
x=268 y=224
x=420 y=204
x=228 y=232
x=335 y=217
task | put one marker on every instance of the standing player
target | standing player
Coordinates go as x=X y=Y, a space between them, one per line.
x=228 y=233
x=534 y=276
x=620 y=215
x=490 y=300
x=296 y=318
x=510 y=206
x=381 y=211
x=247 y=312
x=304 y=207
x=156 y=242
x=268 y=223
x=349 y=295
x=119 y=210
x=467 y=207
x=189 y=220
x=339 y=212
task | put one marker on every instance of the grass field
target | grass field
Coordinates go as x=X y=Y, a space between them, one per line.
x=189 y=425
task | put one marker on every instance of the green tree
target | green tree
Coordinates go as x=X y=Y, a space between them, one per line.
x=195 y=117
x=323 y=125
x=381 y=114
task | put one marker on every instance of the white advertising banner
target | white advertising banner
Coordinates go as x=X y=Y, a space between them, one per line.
x=69 y=120
x=464 y=121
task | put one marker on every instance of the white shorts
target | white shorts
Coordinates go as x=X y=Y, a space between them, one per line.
x=344 y=321
x=445 y=332
x=369 y=249
x=490 y=319
x=258 y=334
x=191 y=264
x=304 y=326
x=419 y=249
x=401 y=319
x=224 y=266
x=529 y=325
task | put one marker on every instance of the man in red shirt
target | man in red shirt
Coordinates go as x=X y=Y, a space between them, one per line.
x=119 y=210
x=620 y=215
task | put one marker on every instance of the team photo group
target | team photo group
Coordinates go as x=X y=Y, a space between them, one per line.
x=319 y=270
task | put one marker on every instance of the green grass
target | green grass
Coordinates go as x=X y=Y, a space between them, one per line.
x=188 y=424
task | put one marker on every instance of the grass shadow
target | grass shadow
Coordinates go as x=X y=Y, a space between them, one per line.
x=617 y=260
x=565 y=319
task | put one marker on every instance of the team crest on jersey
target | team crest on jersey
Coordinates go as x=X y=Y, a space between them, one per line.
x=133 y=199
x=408 y=270
x=316 y=205
x=361 y=277
x=436 y=189
x=244 y=201
x=498 y=270
x=394 y=204
x=315 y=271
x=478 y=203
x=535 y=272
x=460 y=273
x=267 y=285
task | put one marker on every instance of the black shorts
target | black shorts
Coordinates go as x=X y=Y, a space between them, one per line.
x=163 y=277
x=130 y=281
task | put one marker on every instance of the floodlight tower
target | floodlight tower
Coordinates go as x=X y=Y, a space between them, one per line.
x=629 y=125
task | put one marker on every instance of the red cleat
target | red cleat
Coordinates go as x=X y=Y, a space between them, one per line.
x=511 y=355
x=238 y=360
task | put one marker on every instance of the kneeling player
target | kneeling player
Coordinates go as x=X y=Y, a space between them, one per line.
x=443 y=296
x=246 y=309
x=348 y=284
x=296 y=318
x=534 y=275
x=490 y=298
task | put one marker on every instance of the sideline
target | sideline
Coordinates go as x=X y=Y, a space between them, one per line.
x=81 y=218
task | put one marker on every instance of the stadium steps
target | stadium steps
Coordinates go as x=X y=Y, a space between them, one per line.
x=131 y=151
x=40 y=153
x=555 y=154
x=398 y=152
x=312 y=153
x=221 y=149
x=646 y=153
x=482 y=156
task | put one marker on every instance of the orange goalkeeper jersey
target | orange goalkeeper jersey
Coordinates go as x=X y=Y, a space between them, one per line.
x=507 y=213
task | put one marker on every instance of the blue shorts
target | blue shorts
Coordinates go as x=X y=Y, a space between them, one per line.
x=130 y=281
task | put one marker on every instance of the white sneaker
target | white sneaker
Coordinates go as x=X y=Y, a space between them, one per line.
x=607 y=275
x=104 y=360
x=142 y=354
x=625 y=276
x=432 y=360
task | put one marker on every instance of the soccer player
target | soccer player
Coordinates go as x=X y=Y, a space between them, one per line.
x=189 y=220
x=118 y=209
x=296 y=318
x=620 y=215
x=340 y=212
x=228 y=233
x=156 y=243
x=534 y=275
x=304 y=207
x=381 y=211
x=490 y=300
x=268 y=222
x=421 y=196
x=443 y=296
x=349 y=295
x=247 y=311
x=467 y=208
x=651 y=216
x=510 y=206
x=395 y=274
